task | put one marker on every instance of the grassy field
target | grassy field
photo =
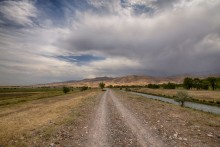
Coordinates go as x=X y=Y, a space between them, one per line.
x=17 y=119
x=201 y=96
x=18 y=95
x=3 y=90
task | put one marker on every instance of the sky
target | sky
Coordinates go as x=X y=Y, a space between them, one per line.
x=43 y=41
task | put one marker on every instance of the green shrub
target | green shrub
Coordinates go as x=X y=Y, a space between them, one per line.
x=188 y=83
x=169 y=86
x=181 y=97
x=83 y=88
x=66 y=89
x=102 y=85
x=153 y=86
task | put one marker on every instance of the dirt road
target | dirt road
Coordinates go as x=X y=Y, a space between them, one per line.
x=116 y=125
x=101 y=119
x=98 y=131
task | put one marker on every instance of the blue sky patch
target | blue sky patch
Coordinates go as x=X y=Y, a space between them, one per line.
x=81 y=59
x=141 y=9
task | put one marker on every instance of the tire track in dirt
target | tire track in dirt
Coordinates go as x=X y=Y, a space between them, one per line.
x=144 y=137
x=98 y=137
x=119 y=135
x=115 y=125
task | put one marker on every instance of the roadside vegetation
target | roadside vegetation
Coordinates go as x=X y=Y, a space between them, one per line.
x=102 y=85
x=83 y=88
x=181 y=97
x=66 y=89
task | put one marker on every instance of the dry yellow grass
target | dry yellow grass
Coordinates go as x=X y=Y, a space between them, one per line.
x=197 y=94
x=18 y=119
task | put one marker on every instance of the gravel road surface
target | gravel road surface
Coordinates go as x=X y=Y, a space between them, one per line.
x=116 y=125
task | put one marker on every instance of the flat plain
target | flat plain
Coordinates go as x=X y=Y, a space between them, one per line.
x=104 y=118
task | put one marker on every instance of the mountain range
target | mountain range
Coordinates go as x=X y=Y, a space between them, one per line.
x=127 y=80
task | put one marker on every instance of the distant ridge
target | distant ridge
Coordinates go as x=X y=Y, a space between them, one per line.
x=127 y=80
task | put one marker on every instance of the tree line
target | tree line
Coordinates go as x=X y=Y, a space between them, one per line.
x=197 y=83
x=190 y=83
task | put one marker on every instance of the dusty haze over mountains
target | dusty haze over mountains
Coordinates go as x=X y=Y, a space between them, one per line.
x=126 y=80
x=48 y=41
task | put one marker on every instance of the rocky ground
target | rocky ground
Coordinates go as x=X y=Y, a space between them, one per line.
x=177 y=126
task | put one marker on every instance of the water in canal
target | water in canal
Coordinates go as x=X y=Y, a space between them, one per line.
x=203 y=107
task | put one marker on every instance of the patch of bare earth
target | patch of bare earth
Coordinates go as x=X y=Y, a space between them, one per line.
x=175 y=125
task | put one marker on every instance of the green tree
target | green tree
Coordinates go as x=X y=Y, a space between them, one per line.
x=181 y=97
x=110 y=86
x=169 y=86
x=153 y=86
x=205 y=84
x=65 y=89
x=213 y=82
x=83 y=88
x=188 y=83
x=102 y=85
x=197 y=83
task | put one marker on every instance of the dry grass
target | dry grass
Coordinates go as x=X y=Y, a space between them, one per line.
x=17 y=119
x=196 y=94
x=19 y=97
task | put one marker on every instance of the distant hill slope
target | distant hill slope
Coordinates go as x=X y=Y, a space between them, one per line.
x=126 y=80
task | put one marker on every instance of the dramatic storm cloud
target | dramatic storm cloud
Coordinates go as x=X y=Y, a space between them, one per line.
x=46 y=41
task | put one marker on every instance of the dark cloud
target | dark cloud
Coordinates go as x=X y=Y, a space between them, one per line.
x=170 y=43
x=65 y=40
x=163 y=4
